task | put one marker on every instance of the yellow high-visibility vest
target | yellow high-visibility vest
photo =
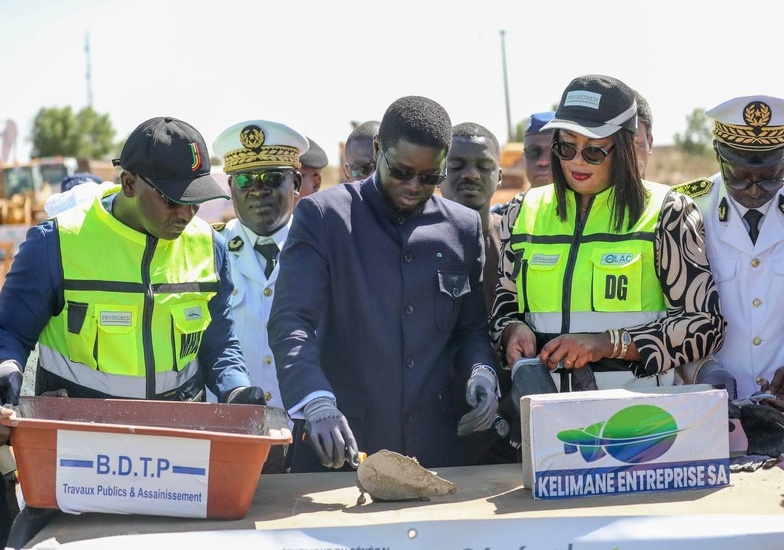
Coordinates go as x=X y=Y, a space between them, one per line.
x=135 y=307
x=589 y=278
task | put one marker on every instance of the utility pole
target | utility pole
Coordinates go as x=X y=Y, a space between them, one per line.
x=510 y=136
x=88 y=74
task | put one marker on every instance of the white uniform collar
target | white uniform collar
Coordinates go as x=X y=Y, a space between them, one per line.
x=279 y=237
x=739 y=208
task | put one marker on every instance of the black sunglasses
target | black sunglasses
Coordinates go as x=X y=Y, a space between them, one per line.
x=170 y=203
x=591 y=154
x=361 y=169
x=406 y=175
x=533 y=153
x=273 y=179
x=776 y=173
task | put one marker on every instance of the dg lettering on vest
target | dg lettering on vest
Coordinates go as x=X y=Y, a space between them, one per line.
x=617 y=280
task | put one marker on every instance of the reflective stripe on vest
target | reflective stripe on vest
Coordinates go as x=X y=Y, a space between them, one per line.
x=116 y=385
x=135 y=306
x=615 y=283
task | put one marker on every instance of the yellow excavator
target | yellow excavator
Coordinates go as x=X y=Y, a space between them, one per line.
x=25 y=186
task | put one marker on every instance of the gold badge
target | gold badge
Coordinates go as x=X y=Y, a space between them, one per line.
x=252 y=137
x=757 y=114
x=236 y=244
x=218 y=226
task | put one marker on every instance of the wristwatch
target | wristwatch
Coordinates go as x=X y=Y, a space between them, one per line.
x=501 y=426
x=626 y=339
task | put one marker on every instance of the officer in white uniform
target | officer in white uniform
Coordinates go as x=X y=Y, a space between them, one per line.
x=743 y=209
x=262 y=159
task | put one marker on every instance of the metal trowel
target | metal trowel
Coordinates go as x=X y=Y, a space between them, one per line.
x=390 y=476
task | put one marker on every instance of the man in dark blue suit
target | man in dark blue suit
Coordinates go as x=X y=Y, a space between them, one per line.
x=379 y=291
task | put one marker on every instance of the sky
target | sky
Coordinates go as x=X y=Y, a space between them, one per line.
x=318 y=65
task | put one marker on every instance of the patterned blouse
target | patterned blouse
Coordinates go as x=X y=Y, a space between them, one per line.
x=693 y=326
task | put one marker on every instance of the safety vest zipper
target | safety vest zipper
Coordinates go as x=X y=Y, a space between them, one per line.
x=149 y=304
x=579 y=226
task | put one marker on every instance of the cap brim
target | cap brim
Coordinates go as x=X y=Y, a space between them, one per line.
x=582 y=128
x=748 y=157
x=201 y=189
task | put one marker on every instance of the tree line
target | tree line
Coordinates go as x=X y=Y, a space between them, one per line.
x=89 y=134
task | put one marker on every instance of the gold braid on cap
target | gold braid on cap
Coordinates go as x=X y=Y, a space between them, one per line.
x=255 y=154
x=756 y=135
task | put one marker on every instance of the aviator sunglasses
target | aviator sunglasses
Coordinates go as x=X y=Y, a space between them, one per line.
x=591 y=154
x=272 y=179
x=406 y=175
x=774 y=177
x=361 y=169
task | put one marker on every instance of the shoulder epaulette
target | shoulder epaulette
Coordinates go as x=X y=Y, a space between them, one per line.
x=694 y=188
x=218 y=226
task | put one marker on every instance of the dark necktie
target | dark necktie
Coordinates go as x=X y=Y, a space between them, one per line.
x=270 y=253
x=753 y=218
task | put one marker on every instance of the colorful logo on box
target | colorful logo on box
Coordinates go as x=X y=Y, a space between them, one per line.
x=636 y=434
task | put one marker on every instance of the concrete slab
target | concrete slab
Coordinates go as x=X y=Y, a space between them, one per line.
x=304 y=501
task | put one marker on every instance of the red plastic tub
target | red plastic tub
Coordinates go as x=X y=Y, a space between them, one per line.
x=238 y=442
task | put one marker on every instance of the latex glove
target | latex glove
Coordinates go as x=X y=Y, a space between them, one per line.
x=752 y=463
x=328 y=432
x=481 y=395
x=246 y=395
x=10 y=382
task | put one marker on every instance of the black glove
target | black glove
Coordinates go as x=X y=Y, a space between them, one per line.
x=327 y=431
x=764 y=428
x=10 y=382
x=246 y=395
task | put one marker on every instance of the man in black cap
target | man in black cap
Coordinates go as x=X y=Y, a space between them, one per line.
x=313 y=162
x=129 y=296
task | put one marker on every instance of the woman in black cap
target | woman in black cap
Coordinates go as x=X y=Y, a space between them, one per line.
x=602 y=265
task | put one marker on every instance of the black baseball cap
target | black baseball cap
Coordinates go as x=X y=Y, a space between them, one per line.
x=314 y=157
x=173 y=156
x=596 y=106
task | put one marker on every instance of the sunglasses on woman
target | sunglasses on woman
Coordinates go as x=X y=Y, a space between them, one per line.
x=273 y=179
x=591 y=154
